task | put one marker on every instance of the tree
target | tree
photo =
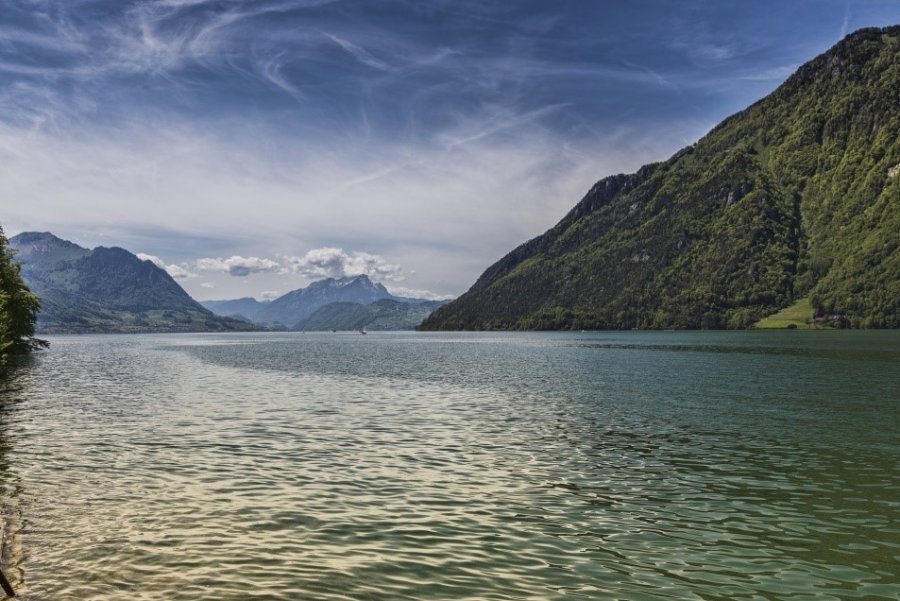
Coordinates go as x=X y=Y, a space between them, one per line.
x=18 y=308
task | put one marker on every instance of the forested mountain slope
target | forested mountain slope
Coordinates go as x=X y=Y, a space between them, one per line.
x=796 y=197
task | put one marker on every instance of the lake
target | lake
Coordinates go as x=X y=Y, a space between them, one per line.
x=608 y=465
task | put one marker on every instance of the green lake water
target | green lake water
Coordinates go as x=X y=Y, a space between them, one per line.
x=637 y=465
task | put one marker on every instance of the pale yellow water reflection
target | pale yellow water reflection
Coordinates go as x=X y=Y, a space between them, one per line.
x=413 y=466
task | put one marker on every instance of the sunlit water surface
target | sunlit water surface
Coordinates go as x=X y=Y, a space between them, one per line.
x=743 y=465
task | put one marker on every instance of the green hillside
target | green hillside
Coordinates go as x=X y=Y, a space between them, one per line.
x=797 y=196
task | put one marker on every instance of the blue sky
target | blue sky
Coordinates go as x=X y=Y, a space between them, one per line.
x=253 y=146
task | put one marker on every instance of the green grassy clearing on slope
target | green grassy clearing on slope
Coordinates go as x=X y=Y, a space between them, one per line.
x=799 y=314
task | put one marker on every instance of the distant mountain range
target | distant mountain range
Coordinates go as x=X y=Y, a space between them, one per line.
x=790 y=206
x=112 y=290
x=245 y=309
x=107 y=290
x=330 y=304
x=384 y=314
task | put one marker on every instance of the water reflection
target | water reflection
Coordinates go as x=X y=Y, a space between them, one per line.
x=455 y=467
x=16 y=379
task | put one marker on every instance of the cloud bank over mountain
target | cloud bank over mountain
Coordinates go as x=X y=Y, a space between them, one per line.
x=335 y=263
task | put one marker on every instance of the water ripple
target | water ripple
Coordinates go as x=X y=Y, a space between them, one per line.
x=453 y=467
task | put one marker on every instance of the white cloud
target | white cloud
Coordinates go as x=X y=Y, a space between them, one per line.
x=332 y=262
x=207 y=285
x=270 y=294
x=153 y=259
x=179 y=273
x=176 y=271
x=237 y=266
x=418 y=293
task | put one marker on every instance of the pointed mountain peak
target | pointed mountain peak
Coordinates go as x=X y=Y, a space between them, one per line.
x=44 y=247
x=361 y=279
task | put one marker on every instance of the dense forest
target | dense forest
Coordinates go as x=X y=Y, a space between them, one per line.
x=791 y=203
x=18 y=308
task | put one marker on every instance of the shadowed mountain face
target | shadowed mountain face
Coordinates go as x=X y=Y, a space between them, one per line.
x=107 y=290
x=295 y=306
x=331 y=304
x=385 y=314
x=246 y=308
x=794 y=201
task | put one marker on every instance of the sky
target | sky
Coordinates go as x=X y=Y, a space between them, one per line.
x=250 y=147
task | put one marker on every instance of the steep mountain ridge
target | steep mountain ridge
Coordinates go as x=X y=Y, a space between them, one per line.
x=106 y=290
x=791 y=198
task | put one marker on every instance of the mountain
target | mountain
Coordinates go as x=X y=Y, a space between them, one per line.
x=246 y=308
x=355 y=295
x=791 y=203
x=384 y=314
x=107 y=290
x=293 y=307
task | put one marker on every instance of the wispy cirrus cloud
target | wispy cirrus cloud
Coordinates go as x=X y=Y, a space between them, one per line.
x=359 y=53
x=845 y=23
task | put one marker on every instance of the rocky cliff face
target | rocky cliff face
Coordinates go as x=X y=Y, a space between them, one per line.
x=787 y=201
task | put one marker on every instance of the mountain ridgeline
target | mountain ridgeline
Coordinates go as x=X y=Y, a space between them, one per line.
x=793 y=202
x=384 y=314
x=245 y=309
x=346 y=303
x=299 y=304
x=107 y=290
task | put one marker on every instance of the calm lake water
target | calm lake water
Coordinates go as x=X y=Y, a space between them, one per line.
x=717 y=465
